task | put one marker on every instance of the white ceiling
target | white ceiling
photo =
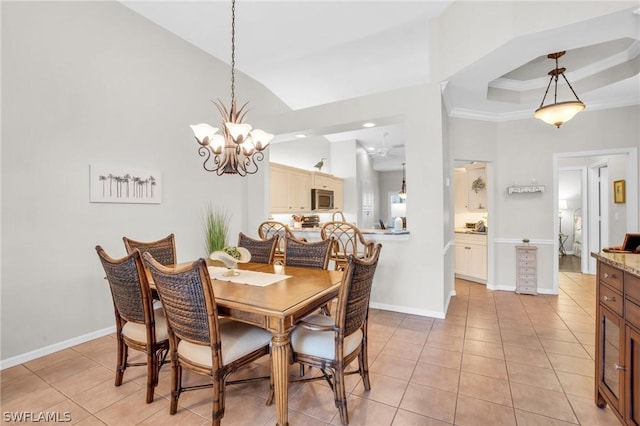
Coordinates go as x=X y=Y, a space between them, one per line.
x=315 y=52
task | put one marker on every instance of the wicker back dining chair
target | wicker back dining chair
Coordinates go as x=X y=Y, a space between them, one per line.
x=138 y=325
x=348 y=239
x=307 y=254
x=198 y=340
x=262 y=251
x=270 y=228
x=332 y=343
x=163 y=250
x=313 y=255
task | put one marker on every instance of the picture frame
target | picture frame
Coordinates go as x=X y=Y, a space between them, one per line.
x=618 y=191
x=110 y=184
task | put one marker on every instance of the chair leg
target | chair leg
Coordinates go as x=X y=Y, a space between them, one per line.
x=340 y=396
x=151 y=374
x=363 y=365
x=121 y=362
x=217 y=412
x=176 y=383
x=271 y=388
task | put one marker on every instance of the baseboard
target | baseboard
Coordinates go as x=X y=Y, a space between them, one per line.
x=47 y=350
x=406 y=310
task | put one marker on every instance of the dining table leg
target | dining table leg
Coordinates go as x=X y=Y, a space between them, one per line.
x=280 y=371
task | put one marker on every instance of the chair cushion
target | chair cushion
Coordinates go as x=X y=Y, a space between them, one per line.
x=322 y=343
x=138 y=332
x=238 y=339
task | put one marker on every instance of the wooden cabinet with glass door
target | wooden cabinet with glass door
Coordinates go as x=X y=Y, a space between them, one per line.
x=617 y=364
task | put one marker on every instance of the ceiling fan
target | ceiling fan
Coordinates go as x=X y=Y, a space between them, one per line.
x=384 y=151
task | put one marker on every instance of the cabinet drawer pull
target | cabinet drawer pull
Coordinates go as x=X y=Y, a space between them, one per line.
x=619 y=367
x=608 y=275
x=609 y=299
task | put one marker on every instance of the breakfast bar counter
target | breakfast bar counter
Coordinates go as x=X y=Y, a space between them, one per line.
x=313 y=234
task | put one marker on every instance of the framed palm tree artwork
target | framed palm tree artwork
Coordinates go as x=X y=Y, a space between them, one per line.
x=124 y=185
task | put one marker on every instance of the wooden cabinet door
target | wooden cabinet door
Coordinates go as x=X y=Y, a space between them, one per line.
x=632 y=375
x=460 y=191
x=279 y=190
x=300 y=185
x=610 y=368
x=478 y=261
x=322 y=182
x=338 y=194
x=462 y=259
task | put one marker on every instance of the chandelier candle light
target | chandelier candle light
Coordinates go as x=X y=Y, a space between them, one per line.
x=558 y=113
x=237 y=148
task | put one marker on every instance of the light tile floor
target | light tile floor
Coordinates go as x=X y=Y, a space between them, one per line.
x=497 y=359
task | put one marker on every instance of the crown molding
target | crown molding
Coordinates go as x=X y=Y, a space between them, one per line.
x=472 y=114
x=575 y=75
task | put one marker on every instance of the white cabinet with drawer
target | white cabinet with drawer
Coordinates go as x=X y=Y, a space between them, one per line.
x=471 y=257
x=526 y=270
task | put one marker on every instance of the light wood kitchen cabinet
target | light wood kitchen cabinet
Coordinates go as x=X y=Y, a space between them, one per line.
x=617 y=364
x=471 y=257
x=289 y=189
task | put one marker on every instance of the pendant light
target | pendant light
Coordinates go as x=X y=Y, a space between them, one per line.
x=403 y=190
x=558 y=113
x=238 y=147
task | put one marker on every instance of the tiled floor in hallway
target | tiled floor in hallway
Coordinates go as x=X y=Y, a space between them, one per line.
x=497 y=359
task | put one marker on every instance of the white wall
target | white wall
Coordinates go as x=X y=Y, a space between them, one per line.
x=303 y=154
x=93 y=82
x=415 y=284
x=343 y=159
x=524 y=151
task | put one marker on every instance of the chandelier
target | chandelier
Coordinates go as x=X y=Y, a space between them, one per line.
x=238 y=147
x=403 y=190
x=558 y=112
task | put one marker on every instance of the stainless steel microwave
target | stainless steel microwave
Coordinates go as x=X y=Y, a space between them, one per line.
x=321 y=199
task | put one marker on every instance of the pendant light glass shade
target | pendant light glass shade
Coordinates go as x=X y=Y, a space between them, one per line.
x=559 y=113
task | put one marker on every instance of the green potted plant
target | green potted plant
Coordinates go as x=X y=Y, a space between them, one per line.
x=216 y=229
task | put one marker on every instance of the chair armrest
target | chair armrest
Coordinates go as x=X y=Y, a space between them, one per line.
x=368 y=248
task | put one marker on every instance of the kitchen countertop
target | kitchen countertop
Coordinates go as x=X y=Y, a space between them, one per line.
x=468 y=231
x=364 y=231
x=629 y=262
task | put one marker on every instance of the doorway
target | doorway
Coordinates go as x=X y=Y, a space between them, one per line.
x=591 y=217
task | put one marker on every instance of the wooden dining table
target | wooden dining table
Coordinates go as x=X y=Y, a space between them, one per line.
x=277 y=308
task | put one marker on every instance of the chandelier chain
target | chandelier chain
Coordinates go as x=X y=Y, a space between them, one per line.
x=233 y=52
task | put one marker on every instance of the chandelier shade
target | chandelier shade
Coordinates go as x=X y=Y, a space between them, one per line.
x=558 y=113
x=235 y=148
